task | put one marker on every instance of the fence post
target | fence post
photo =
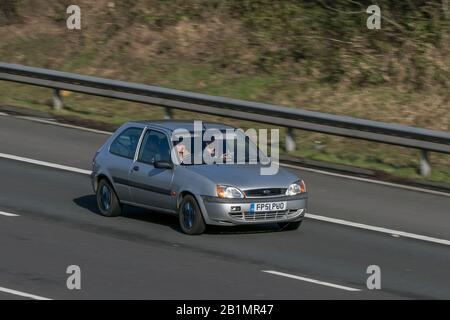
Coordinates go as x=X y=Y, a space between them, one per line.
x=57 y=101
x=168 y=113
x=425 y=167
x=289 y=140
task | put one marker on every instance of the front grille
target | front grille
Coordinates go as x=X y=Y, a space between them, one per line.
x=265 y=192
x=264 y=216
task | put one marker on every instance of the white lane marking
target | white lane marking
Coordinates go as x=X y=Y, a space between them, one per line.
x=308 y=215
x=328 y=284
x=44 y=163
x=7 y=214
x=389 y=184
x=22 y=294
x=394 y=233
x=3 y=114
x=65 y=125
x=395 y=185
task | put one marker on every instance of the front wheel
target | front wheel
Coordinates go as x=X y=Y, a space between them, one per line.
x=107 y=200
x=290 y=225
x=190 y=216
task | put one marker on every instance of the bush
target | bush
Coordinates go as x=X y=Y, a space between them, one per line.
x=8 y=8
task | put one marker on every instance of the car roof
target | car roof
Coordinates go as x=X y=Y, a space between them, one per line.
x=172 y=125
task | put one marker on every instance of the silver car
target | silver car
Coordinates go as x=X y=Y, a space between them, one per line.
x=136 y=166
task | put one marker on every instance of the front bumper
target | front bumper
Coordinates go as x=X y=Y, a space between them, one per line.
x=219 y=211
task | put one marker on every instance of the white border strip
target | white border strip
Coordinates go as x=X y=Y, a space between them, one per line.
x=22 y=294
x=322 y=283
x=44 y=163
x=7 y=214
x=378 y=229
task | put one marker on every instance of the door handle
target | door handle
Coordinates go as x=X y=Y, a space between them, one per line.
x=136 y=168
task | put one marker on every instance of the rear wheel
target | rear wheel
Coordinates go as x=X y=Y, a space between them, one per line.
x=290 y=225
x=190 y=216
x=107 y=200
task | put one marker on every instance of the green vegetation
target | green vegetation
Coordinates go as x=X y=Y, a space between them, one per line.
x=316 y=55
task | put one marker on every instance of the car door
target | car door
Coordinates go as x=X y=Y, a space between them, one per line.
x=151 y=186
x=122 y=150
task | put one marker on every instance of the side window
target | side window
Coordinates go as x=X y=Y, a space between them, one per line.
x=155 y=147
x=126 y=143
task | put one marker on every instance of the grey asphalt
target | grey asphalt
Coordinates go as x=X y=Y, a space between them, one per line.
x=143 y=255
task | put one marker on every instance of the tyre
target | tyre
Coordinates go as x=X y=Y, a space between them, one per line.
x=107 y=200
x=190 y=216
x=290 y=225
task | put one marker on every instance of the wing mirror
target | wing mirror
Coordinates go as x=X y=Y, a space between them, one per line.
x=163 y=164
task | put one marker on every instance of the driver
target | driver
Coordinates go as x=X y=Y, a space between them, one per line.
x=181 y=149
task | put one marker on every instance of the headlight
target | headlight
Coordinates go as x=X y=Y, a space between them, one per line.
x=296 y=188
x=229 y=192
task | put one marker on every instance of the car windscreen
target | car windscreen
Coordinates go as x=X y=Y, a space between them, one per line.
x=227 y=147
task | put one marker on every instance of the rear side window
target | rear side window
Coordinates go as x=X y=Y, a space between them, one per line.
x=126 y=143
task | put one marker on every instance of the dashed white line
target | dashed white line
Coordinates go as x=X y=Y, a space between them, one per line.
x=44 y=163
x=7 y=214
x=308 y=215
x=394 y=233
x=327 y=284
x=22 y=294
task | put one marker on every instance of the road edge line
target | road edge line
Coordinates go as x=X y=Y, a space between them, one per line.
x=7 y=214
x=45 y=163
x=319 y=282
x=378 y=229
x=22 y=294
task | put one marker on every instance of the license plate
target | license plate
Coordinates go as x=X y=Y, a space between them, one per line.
x=268 y=206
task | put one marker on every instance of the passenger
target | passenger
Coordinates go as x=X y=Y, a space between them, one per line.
x=210 y=147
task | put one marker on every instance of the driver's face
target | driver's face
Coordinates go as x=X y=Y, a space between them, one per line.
x=181 y=150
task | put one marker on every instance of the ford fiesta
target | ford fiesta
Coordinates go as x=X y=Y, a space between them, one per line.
x=203 y=182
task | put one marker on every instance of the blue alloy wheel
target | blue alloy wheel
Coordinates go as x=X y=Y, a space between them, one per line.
x=106 y=197
x=188 y=213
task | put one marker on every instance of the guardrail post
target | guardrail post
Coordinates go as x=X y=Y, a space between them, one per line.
x=168 y=113
x=289 y=140
x=425 y=167
x=57 y=101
